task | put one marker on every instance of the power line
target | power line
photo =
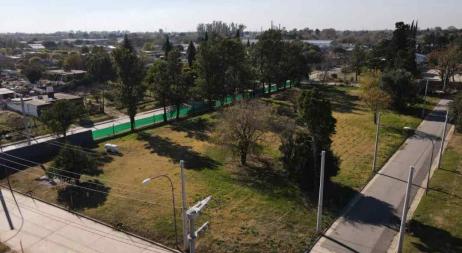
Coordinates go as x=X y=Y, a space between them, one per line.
x=80 y=226
x=94 y=190
x=98 y=184
x=71 y=172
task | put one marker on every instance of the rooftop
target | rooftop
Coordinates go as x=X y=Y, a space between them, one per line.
x=4 y=91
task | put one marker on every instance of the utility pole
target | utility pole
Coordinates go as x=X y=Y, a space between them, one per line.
x=405 y=209
x=321 y=193
x=443 y=136
x=184 y=208
x=192 y=215
x=426 y=90
x=376 y=148
x=425 y=98
x=7 y=213
x=26 y=123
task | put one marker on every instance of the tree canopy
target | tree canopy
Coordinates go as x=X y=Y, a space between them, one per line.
x=61 y=115
x=130 y=72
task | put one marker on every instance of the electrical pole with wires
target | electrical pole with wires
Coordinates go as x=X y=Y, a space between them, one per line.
x=7 y=213
x=184 y=207
x=443 y=136
x=192 y=215
x=376 y=148
x=321 y=193
x=405 y=210
x=26 y=122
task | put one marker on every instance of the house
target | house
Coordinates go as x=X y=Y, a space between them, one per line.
x=35 y=105
x=66 y=76
x=6 y=94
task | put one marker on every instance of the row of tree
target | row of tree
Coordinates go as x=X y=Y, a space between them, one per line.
x=221 y=66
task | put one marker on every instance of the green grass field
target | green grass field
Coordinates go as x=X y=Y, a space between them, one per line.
x=437 y=223
x=255 y=208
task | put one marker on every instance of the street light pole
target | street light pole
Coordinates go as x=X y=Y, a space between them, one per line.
x=183 y=206
x=321 y=193
x=173 y=201
x=405 y=209
x=425 y=98
x=430 y=167
x=443 y=136
x=377 y=134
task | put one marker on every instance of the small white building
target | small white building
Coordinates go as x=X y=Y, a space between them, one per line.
x=33 y=106
x=6 y=94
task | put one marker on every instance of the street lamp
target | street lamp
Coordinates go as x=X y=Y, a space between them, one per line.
x=147 y=180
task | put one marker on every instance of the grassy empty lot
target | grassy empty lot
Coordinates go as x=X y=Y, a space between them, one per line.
x=437 y=226
x=254 y=208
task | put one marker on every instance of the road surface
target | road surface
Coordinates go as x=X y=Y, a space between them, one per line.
x=372 y=220
x=79 y=129
x=46 y=228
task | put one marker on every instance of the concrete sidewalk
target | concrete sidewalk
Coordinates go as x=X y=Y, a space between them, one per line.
x=46 y=228
x=371 y=221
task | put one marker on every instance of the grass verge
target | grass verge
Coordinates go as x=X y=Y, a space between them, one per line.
x=436 y=225
x=254 y=208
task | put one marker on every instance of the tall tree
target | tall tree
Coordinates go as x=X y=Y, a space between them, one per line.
x=130 y=71
x=70 y=163
x=100 y=67
x=447 y=61
x=268 y=54
x=400 y=86
x=33 y=72
x=73 y=61
x=158 y=80
x=61 y=115
x=167 y=47
x=315 y=113
x=191 y=53
x=241 y=127
x=294 y=63
x=372 y=93
x=236 y=66
x=210 y=71
x=403 y=47
x=358 y=56
x=304 y=138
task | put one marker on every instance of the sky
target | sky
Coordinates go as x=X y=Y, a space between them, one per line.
x=181 y=15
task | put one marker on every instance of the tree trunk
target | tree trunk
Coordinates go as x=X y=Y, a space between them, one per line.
x=375 y=117
x=165 y=112
x=132 y=122
x=102 y=99
x=178 y=111
x=243 y=158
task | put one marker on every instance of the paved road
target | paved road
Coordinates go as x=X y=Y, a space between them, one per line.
x=47 y=228
x=74 y=130
x=372 y=221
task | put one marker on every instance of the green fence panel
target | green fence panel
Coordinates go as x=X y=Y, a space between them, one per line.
x=185 y=111
x=121 y=128
x=144 y=122
x=102 y=133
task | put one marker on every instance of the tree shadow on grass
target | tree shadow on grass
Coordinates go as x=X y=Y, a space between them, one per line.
x=195 y=128
x=340 y=99
x=176 y=152
x=90 y=194
x=261 y=176
x=433 y=239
